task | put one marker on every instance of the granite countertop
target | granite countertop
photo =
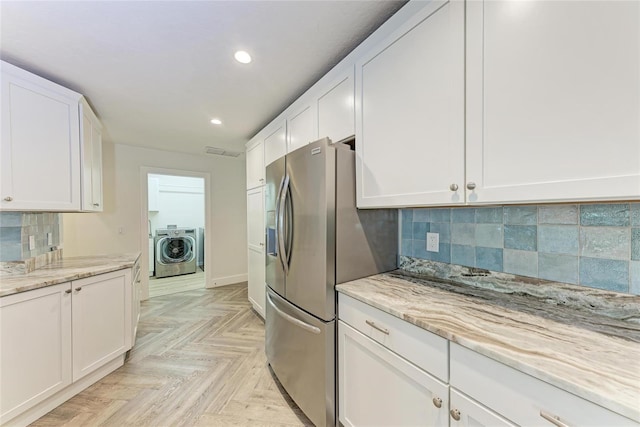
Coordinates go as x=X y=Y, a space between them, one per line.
x=582 y=340
x=65 y=270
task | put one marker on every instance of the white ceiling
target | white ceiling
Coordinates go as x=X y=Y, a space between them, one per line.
x=157 y=72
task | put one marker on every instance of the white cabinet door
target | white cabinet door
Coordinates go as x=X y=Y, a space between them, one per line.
x=466 y=412
x=255 y=164
x=378 y=387
x=336 y=109
x=101 y=320
x=553 y=100
x=410 y=112
x=91 y=138
x=136 y=277
x=301 y=128
x=256 y=286
x=40 y=148
x=275 y=143
x=255 y=243
x=35 y=338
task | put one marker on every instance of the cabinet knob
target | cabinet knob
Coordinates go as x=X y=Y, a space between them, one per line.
x=455 y=414
x=261 y=244
x=96 y=204
x=453 y=187
x=78 y=289
x=437 y=402
x=68 y=291
x=471 y=185
x=261 y=179
x=8 y=199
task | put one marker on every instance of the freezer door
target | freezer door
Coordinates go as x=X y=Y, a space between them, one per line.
x=310 y=220
x=300 y=350
x=274 y=274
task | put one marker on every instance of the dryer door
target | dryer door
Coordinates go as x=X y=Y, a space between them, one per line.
x=172 y=250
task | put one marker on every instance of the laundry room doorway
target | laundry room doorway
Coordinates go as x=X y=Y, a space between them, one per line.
x=175 y=212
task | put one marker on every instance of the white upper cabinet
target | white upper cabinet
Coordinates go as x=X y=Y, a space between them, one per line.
x=255 y=164
x=553 y=100
x=301 y=128
x=275 y=143
x=91 y=136
x=410 y=112
x=336 y=113
x=40 y=146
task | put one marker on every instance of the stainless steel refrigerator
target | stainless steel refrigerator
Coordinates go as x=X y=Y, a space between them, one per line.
x=316 y=238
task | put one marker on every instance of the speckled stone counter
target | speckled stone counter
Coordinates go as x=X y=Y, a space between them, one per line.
x=65 y=270
x=584 y=341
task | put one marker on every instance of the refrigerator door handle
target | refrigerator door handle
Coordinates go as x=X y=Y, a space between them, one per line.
x=281 y=244
x=307 y=327
x=277 y=233
x=288 y=223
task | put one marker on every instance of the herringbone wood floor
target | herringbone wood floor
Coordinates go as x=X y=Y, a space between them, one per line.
x=198 y=361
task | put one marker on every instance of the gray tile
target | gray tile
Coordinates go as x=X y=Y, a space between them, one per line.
x=11 y=252
x=559 y=239
x=489 y=215
x=10 y=235
x=443 y=229
x=463 y=234
x=605 y=214
x=561 y=268
x=605 y=242
x=463 y=215
x=523 y=263
x=489 y=258
x=422 y=215
x=558 y=214
x=634 y=284
x=607 y=274
x=523 y=237
x=444 y=255
x=521 y=215
x=441 y=215
x=635 y=214
x=405 y=247
x=10 y=219
x=463 y=255
x=420 y=230
x=635 y=244
x=419 y=249
x=489 y=235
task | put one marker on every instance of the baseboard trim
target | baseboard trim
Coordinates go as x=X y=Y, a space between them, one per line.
x=228 y=280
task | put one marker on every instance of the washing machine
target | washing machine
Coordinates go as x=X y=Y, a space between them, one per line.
x=175 y=251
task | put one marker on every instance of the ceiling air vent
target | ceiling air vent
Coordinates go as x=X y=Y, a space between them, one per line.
x=221 y=152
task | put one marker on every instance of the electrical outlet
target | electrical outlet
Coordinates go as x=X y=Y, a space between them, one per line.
x=433 y=242
x=32 y=242
x=49 y=239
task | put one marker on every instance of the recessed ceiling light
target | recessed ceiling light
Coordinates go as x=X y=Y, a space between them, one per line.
x=216 y=121
x=242 y=57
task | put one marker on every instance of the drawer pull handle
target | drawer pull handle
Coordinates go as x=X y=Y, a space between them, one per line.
x=553 y=419
x=68 y=291
x=455 y=414
x=437 y=402
x=8 y=199
x=78 y=289
x=374 y=326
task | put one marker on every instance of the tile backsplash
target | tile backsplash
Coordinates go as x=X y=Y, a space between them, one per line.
x=15 y=229
x=596 y=245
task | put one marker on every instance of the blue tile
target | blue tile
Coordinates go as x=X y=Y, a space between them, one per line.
x=635 y=244
x=463 y=234
x=443 y=229
x=635 y=214
x=407 y=228
x=634 y=285
x=489 y=215
x=422 y=215
x=489 y=258
x=11 y=252
x=558 y=214
x=523 y=237
x=610 y=274
x=407 y=215
x=489 y=235
x=521 y=215
x=444 y=255
x=405 y=248
x=523 y=263
x=557 y=267
x=606 y=214
x=441 y=215
x=419 y=249
x=10 y=235
x=463 y=255
x=605 y=242
x=420 y=230
x=465 y=215
x=10 y=219
x=559 y=239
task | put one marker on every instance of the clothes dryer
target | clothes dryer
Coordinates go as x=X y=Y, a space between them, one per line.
x=175 y=251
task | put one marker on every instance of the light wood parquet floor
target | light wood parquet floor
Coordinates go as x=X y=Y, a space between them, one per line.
x=198 y=361
x=176 y=284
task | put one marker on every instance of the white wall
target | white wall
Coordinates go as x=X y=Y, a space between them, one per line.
x=98 y=233
x=180 y=202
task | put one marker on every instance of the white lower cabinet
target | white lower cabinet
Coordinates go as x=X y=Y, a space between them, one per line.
x=378 y=387
x=467 y=412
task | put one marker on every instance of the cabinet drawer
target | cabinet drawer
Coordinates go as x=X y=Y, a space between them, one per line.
x=522 y=398
x=422 y=348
